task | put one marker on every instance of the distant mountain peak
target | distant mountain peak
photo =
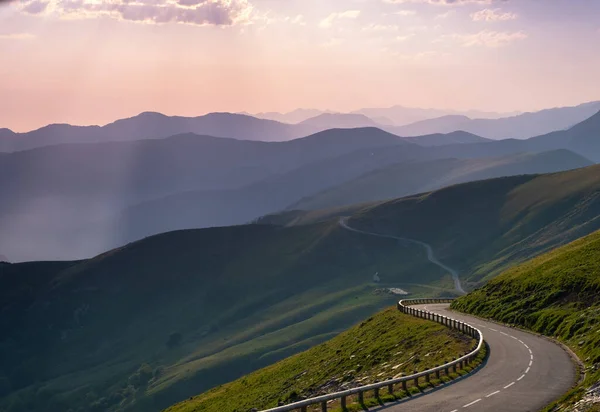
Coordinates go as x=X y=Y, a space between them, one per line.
x=150 y=114
x=340 y=120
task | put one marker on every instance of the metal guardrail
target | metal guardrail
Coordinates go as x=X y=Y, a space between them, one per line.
x=405 y=307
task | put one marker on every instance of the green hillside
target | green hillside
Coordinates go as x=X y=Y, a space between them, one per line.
x=407 y=178
x=481 y=228
x=144 y=326
x=556 y=294
x=384 y=346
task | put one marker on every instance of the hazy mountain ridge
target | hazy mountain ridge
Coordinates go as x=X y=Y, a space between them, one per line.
x=339 y=120
x=408 y=178
x=522 y=126
x=401 y=115
x=44 y=200
x=199 y=181
x=150 y=125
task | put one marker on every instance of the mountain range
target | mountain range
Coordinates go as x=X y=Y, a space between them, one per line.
x=75 y=200
x=403 y=179
x=391 y=116
x=156 y=321
x=521 y=126
x=150 y=125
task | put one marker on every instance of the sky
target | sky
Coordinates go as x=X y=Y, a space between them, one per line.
x=94 y=61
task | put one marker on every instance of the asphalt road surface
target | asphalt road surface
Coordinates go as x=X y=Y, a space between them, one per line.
x=524 y=372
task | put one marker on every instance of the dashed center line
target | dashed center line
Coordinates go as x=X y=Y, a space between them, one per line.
x=512 y=383
x=472 y=403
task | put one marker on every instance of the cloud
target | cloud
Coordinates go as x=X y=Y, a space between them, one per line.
x=197 y=12
x=493 y=15
x=486 y=38
x=332 y=43
x=405 y=12
x=419 y=57
x=445 y=15
x=380 y=28
x=444 y=2
x=348 y=14
x=299 y=20
x=17 y=36
x=405 y=37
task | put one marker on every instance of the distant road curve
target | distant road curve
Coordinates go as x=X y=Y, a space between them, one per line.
x=430 y=255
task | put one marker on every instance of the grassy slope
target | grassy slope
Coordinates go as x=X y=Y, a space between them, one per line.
x=75 y=334
x=556 y=294
x=514 y=218
x=364 y=354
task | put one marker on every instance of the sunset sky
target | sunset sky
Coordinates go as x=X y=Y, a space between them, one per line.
x=93 y=61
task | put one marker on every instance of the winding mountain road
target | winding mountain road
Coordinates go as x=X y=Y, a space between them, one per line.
x=430 y=255
x=524 y=372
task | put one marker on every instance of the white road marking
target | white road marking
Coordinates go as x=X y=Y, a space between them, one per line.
x=510 y=384
x=472 y=403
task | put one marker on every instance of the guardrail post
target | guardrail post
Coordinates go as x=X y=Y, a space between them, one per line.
x=427 y=378
x=453 y=365
x=361 y=398
x=324 y=406
x=404 y=388
x=437 y=373
x=391 y=389
x=343 y=403
x=446 y=369
x=416 y=381
x=303 y=409
x=376 y=393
